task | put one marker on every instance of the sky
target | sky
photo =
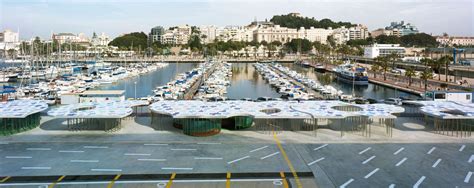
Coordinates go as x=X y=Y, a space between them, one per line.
x=116 y=17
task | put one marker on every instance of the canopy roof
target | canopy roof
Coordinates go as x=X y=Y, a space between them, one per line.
x=270 y=109
x=21 y=108
x=112 y=109
x=447 y=109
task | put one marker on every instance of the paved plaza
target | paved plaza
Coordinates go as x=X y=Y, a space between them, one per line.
x=413 y=157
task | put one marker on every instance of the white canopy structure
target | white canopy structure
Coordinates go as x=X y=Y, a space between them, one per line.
x=446 y=109
x=112 y=109
x=21 y=108
x=271 y=109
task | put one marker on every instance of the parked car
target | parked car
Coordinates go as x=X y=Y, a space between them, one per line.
x=394 y=101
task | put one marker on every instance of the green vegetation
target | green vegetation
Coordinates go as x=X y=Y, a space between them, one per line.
x=133 y=41
x=384 y=39
x=299 y=45
x=410 y=73
x=412 y=40
x=297 y=22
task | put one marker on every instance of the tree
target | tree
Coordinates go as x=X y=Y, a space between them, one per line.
x=132 y=41
x=393 y=57
x=384 y=39
x=436 y=66
x=375 y=68
x=383 y=62
x=195 y=43
x=302 y=45
x=445 y=60
x=291 y=21
x=410 y=73
x=425 y=75
x=418 y=40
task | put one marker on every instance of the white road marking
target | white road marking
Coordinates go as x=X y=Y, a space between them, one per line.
x=431 y=150
x=371 y=173
x=391 y=186
x=18 y=157
x=208 y=143
x=369 y=159
x=239 y=159
x=137 y=154
x=471 y=159
x=106 y=170
x=183 y=149
x=270 y=155
x=152 y=160
x=401 y=161
x=36 y=168
x=173 y=168
x=138 y=181
x=318 y=148
x=468 y=177
x=347 y=183
x=363 y=151
x=419 y=182
x=259 y=149
x=208 y=158
x=436 y=163
x=317 y=160
x=38 y=149
x=462 y=148
x=70 y=151
x=399 y=150
x=84 y=161
x=155 y=144
x=96 y=147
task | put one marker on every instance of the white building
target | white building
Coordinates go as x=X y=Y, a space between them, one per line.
x=459 y=41
x=275 y=33
x=315 y=34
x=208 y=33
x=101 y=40
x=358 y=32
x=377 y=50
x=9 y=40
x=70 y=38
x=177 y=35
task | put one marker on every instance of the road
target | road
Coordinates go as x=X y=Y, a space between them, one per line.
x=334 y=164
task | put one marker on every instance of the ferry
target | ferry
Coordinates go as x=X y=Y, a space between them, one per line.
x=351 y=74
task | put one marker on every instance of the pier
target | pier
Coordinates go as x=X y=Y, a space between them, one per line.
x=309 y=90
x=193 y=89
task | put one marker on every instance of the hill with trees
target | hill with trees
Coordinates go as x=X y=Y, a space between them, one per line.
x=297 y=22
x=138 y=40
x=416 y=40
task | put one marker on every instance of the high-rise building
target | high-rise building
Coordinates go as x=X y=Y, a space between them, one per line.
x=402 y=28
x=155 y=33
x=275 y=33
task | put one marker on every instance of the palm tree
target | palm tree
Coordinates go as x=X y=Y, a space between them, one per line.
x=445 y=60
x=383 y=62
x=425 y=75
x=393 y=57
x=375 y=68
x=436 y=66
x=410 y=72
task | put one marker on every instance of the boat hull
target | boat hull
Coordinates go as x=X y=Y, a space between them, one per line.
x=356 y=81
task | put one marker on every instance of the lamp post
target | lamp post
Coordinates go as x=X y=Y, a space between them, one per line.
x=135 y=89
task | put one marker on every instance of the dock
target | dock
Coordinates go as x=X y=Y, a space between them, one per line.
x=292 y=80
x=193 y=89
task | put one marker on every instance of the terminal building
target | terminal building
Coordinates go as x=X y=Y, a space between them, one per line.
x=93 y=96
x=377 y=50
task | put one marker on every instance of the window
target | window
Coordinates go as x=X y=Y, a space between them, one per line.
x=468 y=97
x=440 y=96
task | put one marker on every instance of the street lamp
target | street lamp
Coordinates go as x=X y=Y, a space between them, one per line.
x=135 y=89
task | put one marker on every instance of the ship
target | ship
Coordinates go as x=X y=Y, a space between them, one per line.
x=352 y=74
